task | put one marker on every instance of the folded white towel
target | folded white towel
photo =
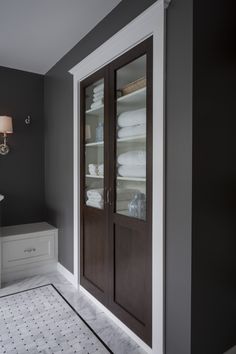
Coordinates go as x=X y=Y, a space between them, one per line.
x=92 y=165
x=96 y=194
x=132 y=171
x=93 y=169
x=98 y=205
x=132 y=158
x=132 y=131
x=98 y=88
x=97 y=104
x=101 y=170
x=95 y=200
x=98 y=96
x=131 y=118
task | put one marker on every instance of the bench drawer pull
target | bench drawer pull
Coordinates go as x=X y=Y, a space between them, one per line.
x=29 y=250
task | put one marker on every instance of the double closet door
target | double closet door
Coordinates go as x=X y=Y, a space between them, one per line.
x=116 y=187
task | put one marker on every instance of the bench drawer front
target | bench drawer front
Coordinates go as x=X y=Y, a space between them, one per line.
x=27 y=250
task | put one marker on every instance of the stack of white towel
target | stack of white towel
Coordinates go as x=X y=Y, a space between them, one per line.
x=98 y=96
x=132 y=164
x=124 y=196
x=96 y=169
x=132 y=123
x=95 y=198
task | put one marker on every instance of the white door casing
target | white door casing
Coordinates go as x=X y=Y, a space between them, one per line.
x=150 y=23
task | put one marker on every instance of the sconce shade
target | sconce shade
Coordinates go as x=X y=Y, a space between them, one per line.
x=6 y=125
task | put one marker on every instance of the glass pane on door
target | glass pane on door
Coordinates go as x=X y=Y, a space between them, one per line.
x=94 y=145
x=131 y=139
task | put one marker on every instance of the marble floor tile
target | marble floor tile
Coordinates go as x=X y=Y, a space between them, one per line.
x=116 y=339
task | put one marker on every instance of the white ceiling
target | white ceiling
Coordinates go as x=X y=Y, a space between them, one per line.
x=35 y=34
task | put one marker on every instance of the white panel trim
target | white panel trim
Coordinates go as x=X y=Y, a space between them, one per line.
x=116 y=320
x=67 y=274
x=150 y=23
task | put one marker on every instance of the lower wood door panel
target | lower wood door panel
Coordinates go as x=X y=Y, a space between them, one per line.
x=130 y=289
x=93 y=252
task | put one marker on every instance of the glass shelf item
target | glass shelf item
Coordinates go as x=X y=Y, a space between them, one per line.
x=94 y=145
x=131 y=139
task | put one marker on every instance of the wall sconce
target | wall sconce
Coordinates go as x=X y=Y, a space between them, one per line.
x=5 y=128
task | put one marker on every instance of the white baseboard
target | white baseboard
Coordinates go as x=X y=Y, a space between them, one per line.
x=29 y=271
x=130 y=333
x=67 y=274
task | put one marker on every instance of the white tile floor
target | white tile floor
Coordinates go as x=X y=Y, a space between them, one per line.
x=40 y=321
x=116 y=339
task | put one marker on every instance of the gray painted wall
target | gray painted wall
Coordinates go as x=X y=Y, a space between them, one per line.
x=59 y=125
x=22 y=170
x=59 y=154
x=179 y=176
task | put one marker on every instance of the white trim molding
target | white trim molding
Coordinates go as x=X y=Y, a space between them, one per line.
x=67 y=274
x=150 y=23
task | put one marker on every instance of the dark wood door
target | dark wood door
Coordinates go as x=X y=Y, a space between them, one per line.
x=116 y=232
x=130 y=235
x=94 y=182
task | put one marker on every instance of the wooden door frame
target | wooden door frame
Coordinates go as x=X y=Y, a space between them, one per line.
x=100 y=74
x=150 y=23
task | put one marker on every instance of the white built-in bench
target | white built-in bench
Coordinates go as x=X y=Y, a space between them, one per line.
x=27 y=250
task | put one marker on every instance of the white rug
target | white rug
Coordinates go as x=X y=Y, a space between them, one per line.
x=41 y=321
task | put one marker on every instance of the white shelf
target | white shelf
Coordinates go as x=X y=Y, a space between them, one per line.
x=95 y=111
x=133 y=100
x=123 y=212
x=98 y=143
x=137 y=138
x=91 y=176
x=133 y=179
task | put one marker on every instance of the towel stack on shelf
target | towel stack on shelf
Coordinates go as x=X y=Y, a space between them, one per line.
x=96 y=170
x=101 y=169
x=124 y=196
x=98 y=96
x=132 y=164
x=132 y=123
x=95 y=198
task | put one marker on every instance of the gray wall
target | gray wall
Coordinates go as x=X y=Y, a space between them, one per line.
x=59 y=125
x=59 y=154
x=22 y=170
x=179 y=176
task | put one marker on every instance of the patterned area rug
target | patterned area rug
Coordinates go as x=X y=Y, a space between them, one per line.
x=40 y=320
